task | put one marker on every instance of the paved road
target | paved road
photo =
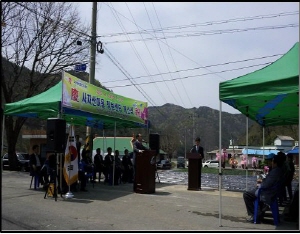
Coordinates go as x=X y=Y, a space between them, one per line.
x=116 y=208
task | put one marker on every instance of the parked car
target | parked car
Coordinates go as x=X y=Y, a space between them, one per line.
x=163 y=164
x=23 y=161
x=180 y=162
x=211 y=163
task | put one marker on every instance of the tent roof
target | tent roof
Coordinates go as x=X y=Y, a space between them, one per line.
x=260 y=151
x=48 y=105
x=270 y=96
x=293 y=151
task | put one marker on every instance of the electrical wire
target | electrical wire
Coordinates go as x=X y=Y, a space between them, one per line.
x=182 y=84
x=213 y=32
x=258 y=17
x=137 y=56
x=197 y=68
x=174 y=98
x=185 y=77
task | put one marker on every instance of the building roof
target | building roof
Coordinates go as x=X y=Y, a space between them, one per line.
x=228 y=151
x=285 y=138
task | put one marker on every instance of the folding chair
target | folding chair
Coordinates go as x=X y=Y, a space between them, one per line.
x=273 y=205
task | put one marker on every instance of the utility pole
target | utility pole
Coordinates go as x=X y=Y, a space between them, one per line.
x=184 y=146
x=92 y=65
x=194 y=115
x=193 y=127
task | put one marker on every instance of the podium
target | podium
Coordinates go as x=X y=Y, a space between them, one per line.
x=145 y=172
x=194 y=171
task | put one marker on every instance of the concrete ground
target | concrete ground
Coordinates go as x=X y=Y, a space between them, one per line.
x=116 y=208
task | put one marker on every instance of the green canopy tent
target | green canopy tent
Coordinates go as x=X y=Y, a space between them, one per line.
x=48 y=105
x=269 y=96
x=81 y=103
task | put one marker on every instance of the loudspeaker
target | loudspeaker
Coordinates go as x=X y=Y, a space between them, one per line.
x=154 y=142
x=56 y=135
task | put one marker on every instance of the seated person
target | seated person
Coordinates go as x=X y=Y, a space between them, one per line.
x=274 y=177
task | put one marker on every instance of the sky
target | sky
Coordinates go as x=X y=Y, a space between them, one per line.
x=179 y=52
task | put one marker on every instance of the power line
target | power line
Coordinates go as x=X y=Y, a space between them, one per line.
x=144 y=65
x=164 y=61
x=213 y=32
x=259 y=17
x=159 y=81
x=182 y=84
x=118 y=65
x=196 y=68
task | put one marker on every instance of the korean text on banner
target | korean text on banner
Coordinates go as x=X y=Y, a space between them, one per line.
x=83 y=96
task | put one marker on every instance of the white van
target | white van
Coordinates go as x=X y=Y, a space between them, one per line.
x=211 y=163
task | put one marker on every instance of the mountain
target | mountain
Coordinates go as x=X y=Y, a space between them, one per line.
x=204 y=121
x=177 y=120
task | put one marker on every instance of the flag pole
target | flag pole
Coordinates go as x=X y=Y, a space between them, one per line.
x=69 y=194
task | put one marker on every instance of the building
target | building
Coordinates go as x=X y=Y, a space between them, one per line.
x=281 y=143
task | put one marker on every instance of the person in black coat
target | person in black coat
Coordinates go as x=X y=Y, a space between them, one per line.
x=128 y=168
x=35 y=163
x=198 y=149
x=98 y=162
x=138 y=147
x=108 y=163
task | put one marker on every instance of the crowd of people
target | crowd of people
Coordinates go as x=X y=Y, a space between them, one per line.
x=279 y=170
x=114 y=168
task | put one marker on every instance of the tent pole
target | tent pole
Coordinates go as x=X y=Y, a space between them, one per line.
x=59 y=114
x=114 y=164
x=103 y=141
x=60 y=155
x=220 y=168
x=246 y=153
x=2 y=142
x=263 y=143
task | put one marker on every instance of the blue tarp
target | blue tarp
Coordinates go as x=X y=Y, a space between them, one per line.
x=293 y=151
x=260 y=151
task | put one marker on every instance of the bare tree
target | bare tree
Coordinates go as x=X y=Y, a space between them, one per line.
x=38 y=41
x=169 y=140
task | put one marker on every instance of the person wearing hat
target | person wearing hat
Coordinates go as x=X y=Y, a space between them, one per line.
x=198 y=149
x=273 y=178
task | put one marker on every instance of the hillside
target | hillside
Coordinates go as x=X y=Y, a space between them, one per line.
x=205 y=121
x=176 y=119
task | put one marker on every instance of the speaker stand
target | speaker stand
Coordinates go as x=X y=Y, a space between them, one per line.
x=157 y=176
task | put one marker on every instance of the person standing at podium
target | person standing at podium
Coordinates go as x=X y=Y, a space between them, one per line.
x=198 y=149
x=138 y=147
